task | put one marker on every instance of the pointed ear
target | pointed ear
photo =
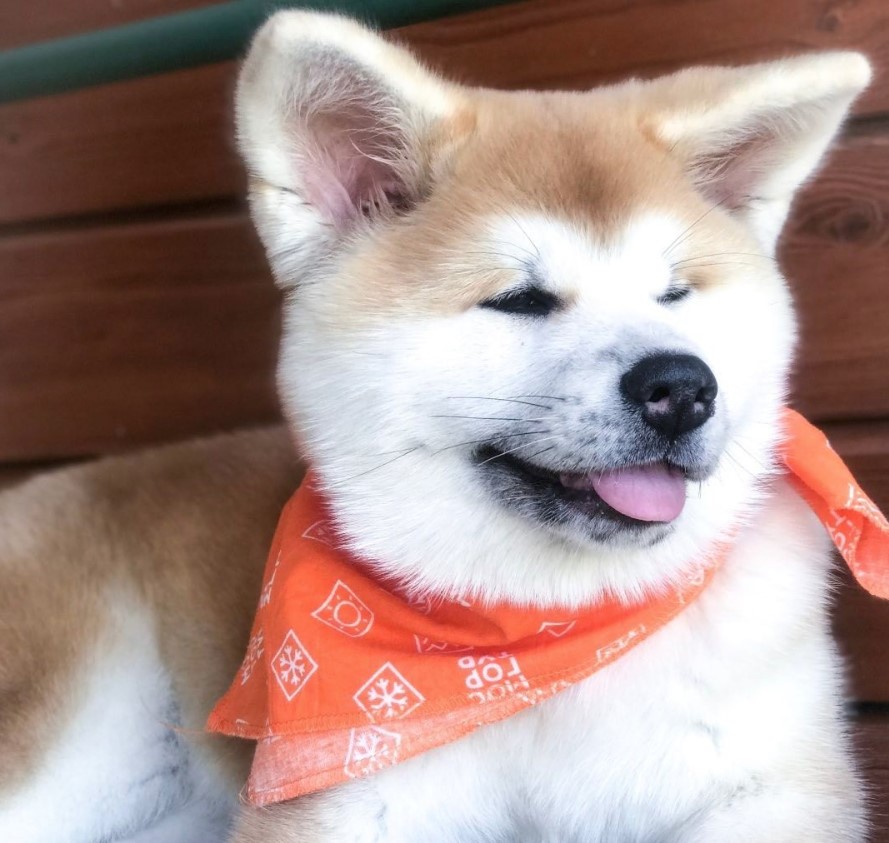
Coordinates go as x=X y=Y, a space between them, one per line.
x=750 y=136
x=337 y=128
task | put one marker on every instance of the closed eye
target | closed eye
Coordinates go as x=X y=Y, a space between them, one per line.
x=674 y=293
x=525 y=301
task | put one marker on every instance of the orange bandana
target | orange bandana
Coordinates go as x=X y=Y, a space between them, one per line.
x=345 y=676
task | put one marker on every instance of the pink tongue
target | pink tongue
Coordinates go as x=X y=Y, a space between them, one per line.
x=646 y=493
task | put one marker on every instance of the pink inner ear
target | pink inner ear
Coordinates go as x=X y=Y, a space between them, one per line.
x=345 y=169
x=737 y=174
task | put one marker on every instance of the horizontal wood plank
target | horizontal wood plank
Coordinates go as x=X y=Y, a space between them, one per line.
x=836 y=254
x=167 y=139
x=580 y=43
x=862 y=627
x=154 y=141
x=127 y=334
x=65 y=295
x=47 y=19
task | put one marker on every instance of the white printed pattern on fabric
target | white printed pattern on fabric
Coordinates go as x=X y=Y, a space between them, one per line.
x=493 y=677
x=319 y=532
x=843 y=532
x=254 y=652
x=292 y=666
x=371 y=750
x=430 y=646
x=345 y=611
x=556 y=628
x=266 y=596
x=609 y=651
x=536 y=695
x=387 y=695
x=418 y=602
x=857 y=501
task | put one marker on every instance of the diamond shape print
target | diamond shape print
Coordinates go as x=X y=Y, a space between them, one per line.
x=371 y=750
x=387 y=695
x=345 y=611
x=292 y=666
x=319 y=532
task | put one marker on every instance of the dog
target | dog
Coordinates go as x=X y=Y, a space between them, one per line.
x=500 y=309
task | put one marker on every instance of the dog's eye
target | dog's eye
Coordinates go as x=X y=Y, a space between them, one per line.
x=526 y=301
x=674 y=293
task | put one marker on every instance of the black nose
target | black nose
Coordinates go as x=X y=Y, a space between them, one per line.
x=674 y=392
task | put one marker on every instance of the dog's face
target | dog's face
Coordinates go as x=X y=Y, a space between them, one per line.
x=536 y=345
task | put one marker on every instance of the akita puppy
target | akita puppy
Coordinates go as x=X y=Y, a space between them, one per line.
x=536 y=353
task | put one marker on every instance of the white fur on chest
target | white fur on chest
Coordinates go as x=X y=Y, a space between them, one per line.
x=726 y=697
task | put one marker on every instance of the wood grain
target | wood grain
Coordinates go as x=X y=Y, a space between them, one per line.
x=47 y=19
x=861 y=623
x=133 y=333
x=154 y=141
x=836 y=253
x=167 y=139
x=581 y=43
x=64 y=290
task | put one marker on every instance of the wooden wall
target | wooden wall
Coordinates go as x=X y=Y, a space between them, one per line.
x=42 y=20
x=135 y=305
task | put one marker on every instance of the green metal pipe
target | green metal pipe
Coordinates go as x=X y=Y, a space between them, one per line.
x=185 y=39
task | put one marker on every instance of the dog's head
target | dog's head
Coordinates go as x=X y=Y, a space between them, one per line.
x=536 y=344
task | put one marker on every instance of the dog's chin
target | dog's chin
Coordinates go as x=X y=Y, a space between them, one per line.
x=565 y=506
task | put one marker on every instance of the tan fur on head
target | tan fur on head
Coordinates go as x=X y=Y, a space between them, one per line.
x=606 y=197
x=325 y=107
x=400 y=210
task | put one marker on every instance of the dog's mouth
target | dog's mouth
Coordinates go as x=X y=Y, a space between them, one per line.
x=642 y=496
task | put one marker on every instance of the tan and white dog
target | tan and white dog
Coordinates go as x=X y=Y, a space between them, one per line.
x=495 y=302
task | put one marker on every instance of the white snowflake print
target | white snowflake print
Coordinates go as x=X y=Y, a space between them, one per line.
x=254 y=652
x=387 y=695
x=292 y=665
x=370 y=750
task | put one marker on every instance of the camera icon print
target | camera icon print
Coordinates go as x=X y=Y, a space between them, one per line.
x=344 y=611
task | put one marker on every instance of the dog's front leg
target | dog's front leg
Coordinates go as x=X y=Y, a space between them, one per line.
x=816 y=804
x=349 y=814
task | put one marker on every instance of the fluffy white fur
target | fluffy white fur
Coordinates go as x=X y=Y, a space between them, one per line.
x=725 y=726
x=409 y=374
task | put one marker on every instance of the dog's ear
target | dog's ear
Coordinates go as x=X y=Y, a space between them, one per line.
x=750 y=136
x=338 y=129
